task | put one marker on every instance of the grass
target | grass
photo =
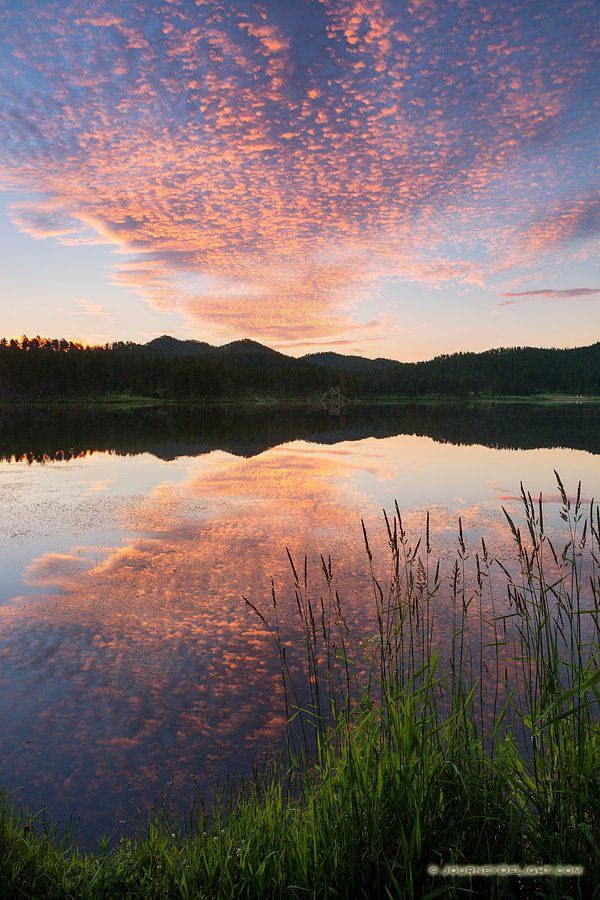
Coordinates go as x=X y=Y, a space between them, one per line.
x=479 y=399
x=251 y=397
x=425 y=746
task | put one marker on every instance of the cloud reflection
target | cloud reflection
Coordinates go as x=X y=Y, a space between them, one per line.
x=141 y=665
x=136 y=666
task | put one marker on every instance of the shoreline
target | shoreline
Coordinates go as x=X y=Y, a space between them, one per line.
x=316 y=402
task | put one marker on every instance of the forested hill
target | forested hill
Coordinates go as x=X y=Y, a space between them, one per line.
x=349 y=363
x=36 y=369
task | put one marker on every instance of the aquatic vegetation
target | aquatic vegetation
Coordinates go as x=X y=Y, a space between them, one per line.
x=410 y=757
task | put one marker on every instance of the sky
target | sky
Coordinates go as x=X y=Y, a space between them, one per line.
x=398 y=178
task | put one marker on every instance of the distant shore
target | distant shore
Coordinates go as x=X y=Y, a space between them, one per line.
x=133 y=400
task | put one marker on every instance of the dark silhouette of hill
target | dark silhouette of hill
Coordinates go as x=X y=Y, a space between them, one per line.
x=41 y=369
x=340 y=361
x=239 y=352
x=170 y=346
x=512 y=370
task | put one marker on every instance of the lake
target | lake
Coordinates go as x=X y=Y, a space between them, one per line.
x=132 y=669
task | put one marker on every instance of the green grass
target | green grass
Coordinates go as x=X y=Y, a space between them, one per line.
x=251 y=397
x=424 y=747
x=477 y=399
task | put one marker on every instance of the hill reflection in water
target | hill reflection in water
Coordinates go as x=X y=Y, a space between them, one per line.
x=39 y=433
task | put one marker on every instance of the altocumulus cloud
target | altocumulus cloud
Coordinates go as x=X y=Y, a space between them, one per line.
x=263 y=166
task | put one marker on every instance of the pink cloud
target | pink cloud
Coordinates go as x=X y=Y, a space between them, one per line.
x=300 y=157
x=551 y=294
x=102 y=21
x=336 y=343
x=566 y=293
x=87 y=308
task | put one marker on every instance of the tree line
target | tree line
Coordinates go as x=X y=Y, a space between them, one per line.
x=45 y=369
x=42 y=369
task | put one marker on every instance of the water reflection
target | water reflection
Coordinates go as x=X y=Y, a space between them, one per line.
x=63 y=433
x=130 y=661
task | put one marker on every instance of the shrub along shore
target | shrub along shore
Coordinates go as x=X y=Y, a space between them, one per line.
x=419 y=764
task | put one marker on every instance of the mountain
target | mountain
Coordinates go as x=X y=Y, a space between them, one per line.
x=252 y=353
x=170 y=346
x=167 y=368
x=348 y=363
x=249 y=348
x=241 y=354
x=505 y=371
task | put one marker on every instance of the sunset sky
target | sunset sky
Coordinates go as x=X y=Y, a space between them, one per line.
x=397 y=178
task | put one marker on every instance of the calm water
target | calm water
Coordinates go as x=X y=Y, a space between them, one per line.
x=131 y=666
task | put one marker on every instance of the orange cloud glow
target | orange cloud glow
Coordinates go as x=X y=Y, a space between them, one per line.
x=266 y=167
